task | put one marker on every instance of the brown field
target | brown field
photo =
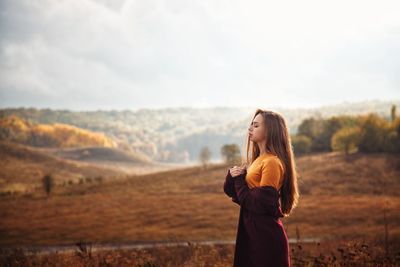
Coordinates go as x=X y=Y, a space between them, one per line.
x=342 y=198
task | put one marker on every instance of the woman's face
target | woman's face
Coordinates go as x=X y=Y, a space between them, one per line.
x=257 y=129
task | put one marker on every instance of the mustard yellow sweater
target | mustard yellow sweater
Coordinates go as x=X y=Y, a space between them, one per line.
x=266 y=169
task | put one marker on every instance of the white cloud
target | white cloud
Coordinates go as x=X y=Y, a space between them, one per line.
x=157 y=53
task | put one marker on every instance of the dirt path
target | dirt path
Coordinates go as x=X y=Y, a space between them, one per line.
x=128 y=246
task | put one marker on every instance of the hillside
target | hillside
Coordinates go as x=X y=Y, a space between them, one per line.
x=342 y=197
x=98 y=154
x=22 y=167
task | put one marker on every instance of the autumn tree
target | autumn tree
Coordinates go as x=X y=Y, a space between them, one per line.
x=346 y=139
x=373 y=133
x=314 y=129
x=301 y=144
x=205 y=156
x=48 y=183
x=393 y=138
x=393 y=113
x=231 y=153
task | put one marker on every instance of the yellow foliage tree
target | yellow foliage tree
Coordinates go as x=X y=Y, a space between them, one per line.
x=346 y=139
x=56 y=135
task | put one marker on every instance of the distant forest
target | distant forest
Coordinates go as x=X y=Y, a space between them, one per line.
x=179 y=134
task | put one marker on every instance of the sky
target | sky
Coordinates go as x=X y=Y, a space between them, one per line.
x=115 y=54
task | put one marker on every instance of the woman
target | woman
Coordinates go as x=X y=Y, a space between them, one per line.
x=266 y=189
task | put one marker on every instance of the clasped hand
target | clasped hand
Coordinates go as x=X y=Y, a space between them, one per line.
x=237 y=170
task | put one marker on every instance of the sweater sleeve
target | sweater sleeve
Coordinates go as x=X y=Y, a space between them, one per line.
x=229 y=187
x=262 y=200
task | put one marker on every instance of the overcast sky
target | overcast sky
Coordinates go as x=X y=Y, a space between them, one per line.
x=87 y=55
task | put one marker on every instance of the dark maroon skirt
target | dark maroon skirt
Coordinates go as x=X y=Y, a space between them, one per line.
x=261 y=239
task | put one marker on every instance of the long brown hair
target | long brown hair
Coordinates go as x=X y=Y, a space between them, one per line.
x=278 y=142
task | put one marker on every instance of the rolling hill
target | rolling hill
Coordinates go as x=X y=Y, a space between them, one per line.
x=98 y=154
x=22 y=167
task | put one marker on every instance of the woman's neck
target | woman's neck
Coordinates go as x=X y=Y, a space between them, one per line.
x=261 y=147
x=264 y=152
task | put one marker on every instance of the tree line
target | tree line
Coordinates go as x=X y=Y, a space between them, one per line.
x=362 y=133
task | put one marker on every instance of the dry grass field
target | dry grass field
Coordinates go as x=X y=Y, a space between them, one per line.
x=342 y=198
